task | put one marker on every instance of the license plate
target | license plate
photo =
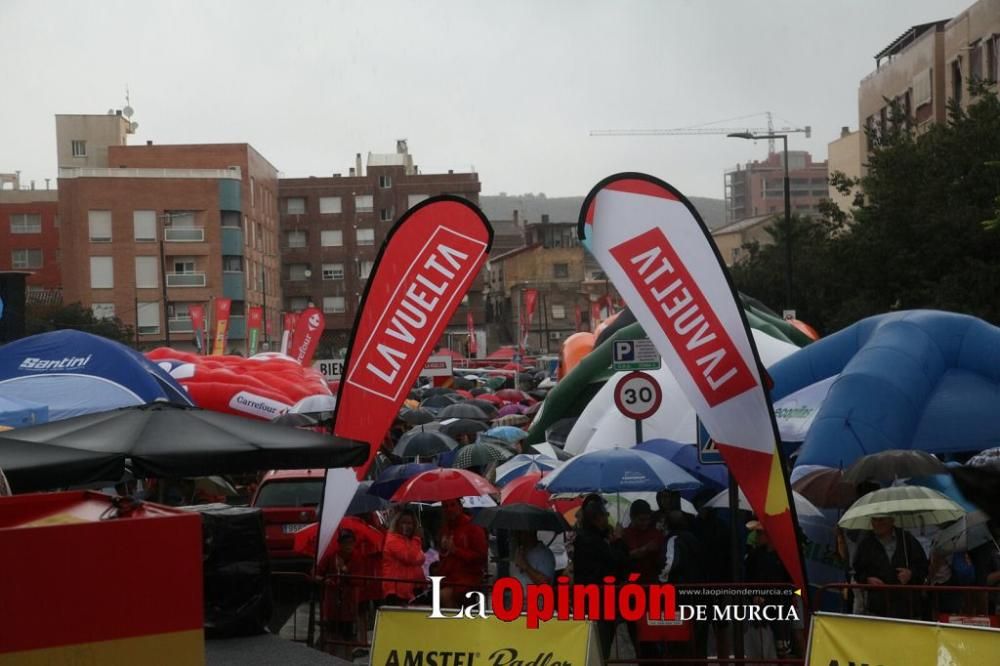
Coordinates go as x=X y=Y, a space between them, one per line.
x=292 y=528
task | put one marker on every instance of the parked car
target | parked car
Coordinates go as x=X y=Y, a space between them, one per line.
x=288 y=501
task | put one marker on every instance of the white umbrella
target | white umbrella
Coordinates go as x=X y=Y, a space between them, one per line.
x=911 y=506
x=602 y=426
x=803 y=507
x=522 y=464
x=796 y=412
x=314 y=404
x=966 y=533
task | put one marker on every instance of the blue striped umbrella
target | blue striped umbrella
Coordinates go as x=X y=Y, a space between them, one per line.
x=618 y=470
x=522 y=464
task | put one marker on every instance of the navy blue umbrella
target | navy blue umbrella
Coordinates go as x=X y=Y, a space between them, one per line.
x=686 y=456
x=394 y=476
x=618 y=471
x=365 y=502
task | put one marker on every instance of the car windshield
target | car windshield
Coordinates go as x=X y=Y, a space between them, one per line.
x=295 y=492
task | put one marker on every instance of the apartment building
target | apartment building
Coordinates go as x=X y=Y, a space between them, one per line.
x=758 y=188
x=29 y=236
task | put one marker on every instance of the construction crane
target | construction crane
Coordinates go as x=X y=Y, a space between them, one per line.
x=710 y=128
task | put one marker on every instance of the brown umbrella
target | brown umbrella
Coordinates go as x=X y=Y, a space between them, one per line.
x=826 y=489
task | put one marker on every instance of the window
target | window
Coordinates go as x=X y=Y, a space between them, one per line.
x=992 y=73
x=232 y=263
x=183 y=264
x=103 y=310
x=100 y=226
x=558 y=311
x=26 y=223
x=102 y=273
x=79 y=148
x=238 y=309
x=976 y=61
x=385 y=214
x=366 y=236
x=560 y=270
x=364 y=203
x=329 y=205
x=385 y=182
x=258 y=239
x=148 y=318
x=334 y=304
x=144 y=224
x=333 y=271
x=956 y=80
x=253 y=197
x=180 y=219
x=297 y=272
x=147 y=272
x=295 y=238
x=298 y=303
x=413 y=199
x=365 y=269
x=295 y=205
x=26 y=258
x=331 y=238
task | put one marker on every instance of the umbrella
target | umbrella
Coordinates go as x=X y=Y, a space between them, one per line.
x=618 y=470
x=546 y=449
x=439 y=390
x=318 y=404
x=394 y=476
x=480 y=454
x=825 y=487
x=686 y=456
x=162 y=440
x=480 y=392
x=508 y=410
x=437 y=485
x=538 y=394
x=463 y=411
x=533 y=409
x=415 y=417
x=912 y=506
x=459 y=427
x=512 y=420
x=439 y=401
x=893 y=464
x=491 y=398
x=423 y=444
x=365 y=502
x=525 y=490
x=522 y=464
x=462 y=393
x=987 y=458
x=507 y=433
x=463 y=384
x=488 y=407
x=968 y=532
x=803 y=507
x=298 y=420
x=521 y=517
x=513 y=395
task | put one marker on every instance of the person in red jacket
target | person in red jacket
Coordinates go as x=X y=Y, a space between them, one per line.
x=402 y=558
x=464 y=549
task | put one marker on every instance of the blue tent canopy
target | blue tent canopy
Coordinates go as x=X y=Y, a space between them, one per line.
x=18 y=413
x=919 y=379
x=76 y=373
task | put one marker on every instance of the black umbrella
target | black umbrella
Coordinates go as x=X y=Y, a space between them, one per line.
x=460 y=427
x=364 y=502
x=439 y=390
x=423 y=444
x=162 y=440
x=463 y=411
x=481 y=390
x=462 y=383
x=440 y=401
x=894 y=464
x=488 y=407
x=521 y=516
x=557 y=433
x=415 y=417
x=297 y=420
x=538 y=394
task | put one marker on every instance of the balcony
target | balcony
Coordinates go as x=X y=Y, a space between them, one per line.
x=232 y=241
x=234 y=285
x=186 y=279
x=184 y=234
x=180 y=325
x=237 y=328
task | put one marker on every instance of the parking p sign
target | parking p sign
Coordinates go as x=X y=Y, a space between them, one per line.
x=635 y=355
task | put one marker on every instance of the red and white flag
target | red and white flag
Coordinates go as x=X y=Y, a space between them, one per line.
x=660 y=256
x=308 y=330
x=425 y=267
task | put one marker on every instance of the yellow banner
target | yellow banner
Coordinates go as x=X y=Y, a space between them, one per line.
x=839 y=640
x=405 y=637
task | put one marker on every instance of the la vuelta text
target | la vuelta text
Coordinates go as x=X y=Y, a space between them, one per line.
x=563 y=601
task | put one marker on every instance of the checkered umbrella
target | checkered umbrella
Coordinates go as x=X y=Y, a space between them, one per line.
x=480 y=454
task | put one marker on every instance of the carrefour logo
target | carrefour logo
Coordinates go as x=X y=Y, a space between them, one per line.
x=65 y=363
x=314 y=320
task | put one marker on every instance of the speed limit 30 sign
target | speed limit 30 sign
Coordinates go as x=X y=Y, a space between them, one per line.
x=638 y=395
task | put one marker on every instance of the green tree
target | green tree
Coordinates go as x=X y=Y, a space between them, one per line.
x=925 y=233
x=44 y=318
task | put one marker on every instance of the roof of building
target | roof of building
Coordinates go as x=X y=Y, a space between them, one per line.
x=386 y=159
x=531 y=207
x=742 y=225
x=508 y=255
x=907 y=38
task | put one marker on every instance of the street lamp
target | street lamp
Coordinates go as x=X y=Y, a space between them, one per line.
x=788 y=206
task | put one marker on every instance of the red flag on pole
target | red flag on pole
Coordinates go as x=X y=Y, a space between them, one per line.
x=308 y=330
x=288 y=325
x=222 y=306
x=255 y=316
x=425 y=267
x=197 y=314
x=472 y=334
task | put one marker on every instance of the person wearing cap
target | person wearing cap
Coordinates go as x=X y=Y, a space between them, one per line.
x=889 y=555
x=596 y=554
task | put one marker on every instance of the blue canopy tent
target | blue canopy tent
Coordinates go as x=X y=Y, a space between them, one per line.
x=76 y=373
x=920 y=379
x=18 y=413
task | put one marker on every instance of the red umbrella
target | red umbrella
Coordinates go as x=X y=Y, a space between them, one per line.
x=491 y=397
x=437 y=485
x=513 y=395
x=465 y=394
x=366 y=535
x=522 y=489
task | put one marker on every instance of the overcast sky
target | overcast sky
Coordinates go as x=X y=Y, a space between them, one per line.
x=509 y=87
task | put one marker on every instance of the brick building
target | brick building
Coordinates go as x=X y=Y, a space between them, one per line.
x=29 y=237
x=332 y=229
x=209 y=210
x=758 y=187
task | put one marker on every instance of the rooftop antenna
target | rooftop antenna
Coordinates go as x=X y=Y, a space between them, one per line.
x=128 y=112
